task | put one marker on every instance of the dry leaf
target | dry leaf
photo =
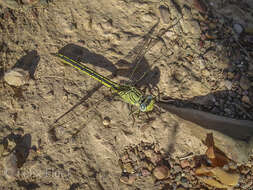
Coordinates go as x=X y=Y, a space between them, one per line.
x=210 y=153
x=220 y=159
x=224 y=177
x=212 y=182
x=209 y=140
x=216 y=156
x=203 y=170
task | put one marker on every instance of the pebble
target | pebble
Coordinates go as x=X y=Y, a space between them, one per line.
x=106 y=121
x=211 y=35
x=238 y=28
x=10 y=167
x=246 y=100
x=161 y=172
x=185 y=163
x=128 y=180
x=125 y=158
x=177 y=169
x=145 y=172
x=179 y=75
x=128 y=167
x=228 y=84
x=184 y=180
x=244 y=83
x=16 y=77
x=231 y=75
x=165 y=14
x=27 y=1
x=232 y=166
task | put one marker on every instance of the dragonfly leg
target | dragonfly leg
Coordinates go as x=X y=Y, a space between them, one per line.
x=133 y=112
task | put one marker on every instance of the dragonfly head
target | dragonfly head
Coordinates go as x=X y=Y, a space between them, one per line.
x=147 y=104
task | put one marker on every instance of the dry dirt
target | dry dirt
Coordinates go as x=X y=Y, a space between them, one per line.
x=195 y=55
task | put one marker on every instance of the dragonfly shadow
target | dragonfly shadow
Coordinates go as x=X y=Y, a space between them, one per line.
x=139 y=75
x=83 y=55
x=123 y=68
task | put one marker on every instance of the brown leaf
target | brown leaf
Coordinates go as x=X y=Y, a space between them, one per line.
x=210 y=153
x=215 y=155
x=209 y=142
x=212 y=182
x=220 y=159
x=224 y=177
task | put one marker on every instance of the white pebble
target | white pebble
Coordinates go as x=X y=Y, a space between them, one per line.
x=238 y=28
x=106 y=121
x=16 y=77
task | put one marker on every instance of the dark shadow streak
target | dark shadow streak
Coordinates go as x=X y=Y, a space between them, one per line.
x=238 y=129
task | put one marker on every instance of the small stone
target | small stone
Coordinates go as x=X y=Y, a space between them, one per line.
x=106 y=121
x=16 y=77
x=190 y=27
x=184 y=180
x=238 y=28
x=211 y=35
x=231 y=75
x=244 y=83
x=125 y=158
x=165 y=14
x=228 y=84
x=246 y=99
x=145 y=172
x=179 y=75
x=245 y=170
x=185 y=163
x=161 y=172
x=169 y=34
x=27 y=1
x=232 y=166
x=177 y=169
x=10 y=167
x=128 y=167
x=128 y=180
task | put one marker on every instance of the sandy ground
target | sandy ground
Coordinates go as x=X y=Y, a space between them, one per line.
x=191 y=54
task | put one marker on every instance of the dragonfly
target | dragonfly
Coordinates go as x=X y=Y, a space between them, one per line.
x=128 y=93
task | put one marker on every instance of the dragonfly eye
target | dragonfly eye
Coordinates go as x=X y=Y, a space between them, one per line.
x=143 y=106
x=145 y=103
